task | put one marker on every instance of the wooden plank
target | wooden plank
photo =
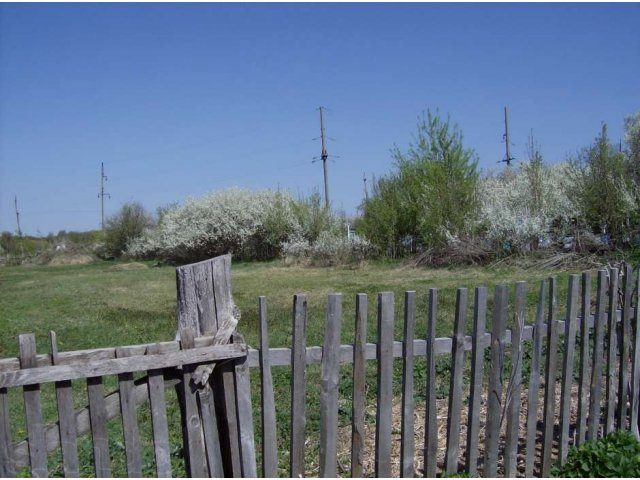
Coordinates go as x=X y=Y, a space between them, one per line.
x=224 y=389
x=330 y=377
x=159 y=422
x=635 y=366
x=534 y=384
x=66 y=418
x=120 y=365
x=494 y=400
x=570 y=328
x=7 y=463
x=455 y=388
x=298 y=383
x=129 y=419
x=514 y=389
x=583 y=389
x=386 y=311
x=195 y=458
x=226 y=313
x=33 y=410
x=593 y=424
x=359 y=398
x=612 y=350
x=550 y=381
x=211 y=432
x=477 y=375
x=407 y=438
x=431 y=412
x=205 y=301
x=625 y=338
x=186 y=302
x=268 y=412
x=245 y=416
x=98 y=416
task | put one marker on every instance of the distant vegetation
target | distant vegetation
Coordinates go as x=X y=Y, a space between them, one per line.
x=434 y=204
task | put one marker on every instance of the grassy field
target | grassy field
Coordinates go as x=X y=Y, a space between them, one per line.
x=108 y=304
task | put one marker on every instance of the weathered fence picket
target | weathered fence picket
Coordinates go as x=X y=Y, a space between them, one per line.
x=385 y=384
x=477 y=375
x=359 y=398
x=268 y=412
x=583 y=389
x=612 y=350
x=567 y=366
x=548 y=414
x=407 y=442
x=431 y=412
x=593 y=424
x=455 y=388
x=298 y=382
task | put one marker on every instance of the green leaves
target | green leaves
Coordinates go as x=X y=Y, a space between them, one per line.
x=616 y=455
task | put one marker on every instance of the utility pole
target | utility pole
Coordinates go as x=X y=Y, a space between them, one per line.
x=102 y=194
x=364 y=180
x=508 y=159
x=15 y=201
x=324 y=156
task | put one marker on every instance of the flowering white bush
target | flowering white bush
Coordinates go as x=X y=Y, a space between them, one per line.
x=329 y=249
x=519 y=207
x=246 y=223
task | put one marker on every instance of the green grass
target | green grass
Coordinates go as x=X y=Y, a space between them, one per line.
x=98 y=305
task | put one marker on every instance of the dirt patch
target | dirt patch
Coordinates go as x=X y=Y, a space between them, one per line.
x=72 y=259
x=129 y=266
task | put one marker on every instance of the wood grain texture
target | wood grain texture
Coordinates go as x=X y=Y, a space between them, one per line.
x=455 y=387
x=129 y=420
x=330 y=377
x=570 y=328
x=625 y=338
x=550 y=381
x=98 y=416
x=431 y=411
x=583 y=382
x=534 y=384
x=359 y=398
x=298 y=385
x=39 y=375
x=386 y=310
x=7 y=463
x=211 y=432
x=407 y=438
x=66 y=418
x=593 y=424
x=33 y=410
x=612 y=349
x=268 y=413
x=494 y=400
x=245 y=416
x=514 y=390
x=158 y=405
x=477 y=375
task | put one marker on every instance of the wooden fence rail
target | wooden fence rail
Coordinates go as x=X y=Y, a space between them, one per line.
x=582 y=372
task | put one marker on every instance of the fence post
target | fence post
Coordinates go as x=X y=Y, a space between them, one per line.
x=385 y=384
x=625 y=338
x=583 y=392
x=635 y=375
x=477 y=375
x=359 y=360
x=550 y=380
x=598 y=358
x=269 y=441
x=514 y=389
x=534 y=384
x=612 y=350
x=431 y=419
x=329 y=387
x=455 y=387
x=494 y=401
x=407 y=441
x=298 y=383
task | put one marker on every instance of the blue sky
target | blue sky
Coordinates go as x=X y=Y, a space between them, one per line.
x=181 y=99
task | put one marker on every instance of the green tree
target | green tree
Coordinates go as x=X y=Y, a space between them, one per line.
x=126 y=225
x=433 y=191
x=603 y=189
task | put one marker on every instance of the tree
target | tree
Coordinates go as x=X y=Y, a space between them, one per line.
x=125 y=226
x=603 y=189
x=431 y=195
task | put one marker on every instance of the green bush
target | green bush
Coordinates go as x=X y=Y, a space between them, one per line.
x=125 y=226
x=616 y=455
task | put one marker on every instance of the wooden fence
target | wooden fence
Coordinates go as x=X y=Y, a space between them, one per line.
x=591 y=359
